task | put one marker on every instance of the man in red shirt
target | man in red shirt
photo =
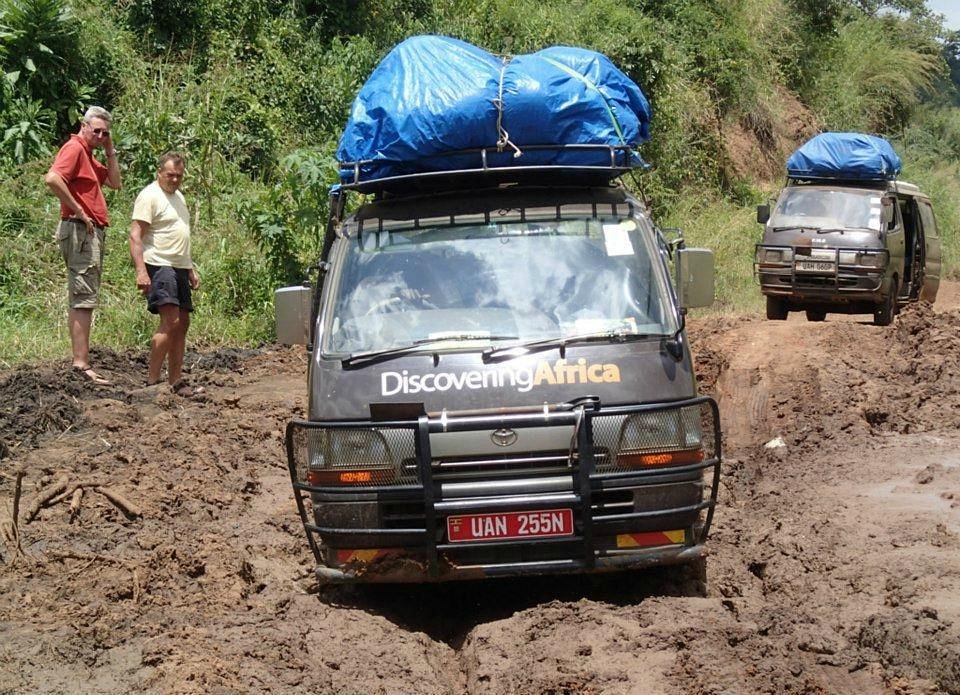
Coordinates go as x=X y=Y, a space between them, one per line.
x=76 y=178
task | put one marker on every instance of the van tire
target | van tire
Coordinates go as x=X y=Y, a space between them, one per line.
x=886 y=310
x=776 y=309
x=816 y=314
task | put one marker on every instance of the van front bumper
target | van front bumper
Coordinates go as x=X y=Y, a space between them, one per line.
x=843 y=283
x=622 y=517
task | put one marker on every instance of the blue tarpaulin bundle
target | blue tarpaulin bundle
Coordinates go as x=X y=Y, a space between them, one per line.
x=432 y=97
x=849 y=156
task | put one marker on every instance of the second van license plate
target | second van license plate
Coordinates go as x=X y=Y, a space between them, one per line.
x=816 y=266
x=509 y=525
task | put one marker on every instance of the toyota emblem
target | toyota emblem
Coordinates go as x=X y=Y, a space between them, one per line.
x=503 y=437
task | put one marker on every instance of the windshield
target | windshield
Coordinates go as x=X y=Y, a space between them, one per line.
x=821 y=208
x=497 y=284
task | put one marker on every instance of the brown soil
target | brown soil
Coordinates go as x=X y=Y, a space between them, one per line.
x=834 y=567
x=756 y=145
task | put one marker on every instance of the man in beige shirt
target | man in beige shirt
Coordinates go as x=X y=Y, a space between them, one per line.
x=160 y=248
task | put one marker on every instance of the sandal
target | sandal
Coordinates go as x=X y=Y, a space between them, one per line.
x=92 y=376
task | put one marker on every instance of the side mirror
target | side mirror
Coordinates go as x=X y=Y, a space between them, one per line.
x=763 y=213
x=291 y=310
x=695 y=278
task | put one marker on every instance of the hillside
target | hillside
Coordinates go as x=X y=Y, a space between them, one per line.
x=256 y=93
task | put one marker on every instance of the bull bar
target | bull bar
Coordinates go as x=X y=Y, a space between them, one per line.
x=588 y=478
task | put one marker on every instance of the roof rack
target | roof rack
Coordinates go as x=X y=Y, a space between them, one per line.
x=841 y=181
x=620 y=159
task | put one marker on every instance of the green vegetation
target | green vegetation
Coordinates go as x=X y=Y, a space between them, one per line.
x=256 y=92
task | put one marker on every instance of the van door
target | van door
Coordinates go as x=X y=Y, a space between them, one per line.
x=931 y=270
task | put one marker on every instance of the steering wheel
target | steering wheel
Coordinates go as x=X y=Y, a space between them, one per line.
x=408 y=299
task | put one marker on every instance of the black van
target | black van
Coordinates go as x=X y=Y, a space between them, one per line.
x=845 y=236
x=500 y=384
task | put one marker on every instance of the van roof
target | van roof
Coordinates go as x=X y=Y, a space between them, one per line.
x=902 y=187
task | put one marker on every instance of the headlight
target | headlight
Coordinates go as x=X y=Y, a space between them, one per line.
x=778 y=255
x=872 y=260
x=350 y=457
x=661 y=438
x=869 y=259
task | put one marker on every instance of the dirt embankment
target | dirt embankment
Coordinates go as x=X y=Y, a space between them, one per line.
x=834 y=566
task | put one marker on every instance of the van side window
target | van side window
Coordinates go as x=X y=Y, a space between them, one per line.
x=890 y=211
x=929 y=221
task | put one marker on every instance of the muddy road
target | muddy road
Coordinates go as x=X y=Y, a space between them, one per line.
x=834 y=567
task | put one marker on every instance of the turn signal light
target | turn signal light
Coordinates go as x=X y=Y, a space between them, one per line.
x=661 y=458
x=327 y=476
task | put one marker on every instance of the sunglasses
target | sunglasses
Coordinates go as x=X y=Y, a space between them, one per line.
x=100 y=131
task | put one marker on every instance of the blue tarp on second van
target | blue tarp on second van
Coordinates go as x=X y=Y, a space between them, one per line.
x=849 y=156
x=432 y=96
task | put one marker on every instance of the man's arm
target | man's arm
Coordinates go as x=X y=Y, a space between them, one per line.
x=113 y=168
x=59 y=188
x=137 y=229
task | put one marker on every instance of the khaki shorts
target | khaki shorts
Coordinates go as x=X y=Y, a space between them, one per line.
x=83 y=255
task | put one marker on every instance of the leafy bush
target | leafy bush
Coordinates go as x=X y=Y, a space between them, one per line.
x=42 y=57
x=288 y=221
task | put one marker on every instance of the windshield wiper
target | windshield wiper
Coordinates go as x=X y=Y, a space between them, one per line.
x=509 y=351
x=846 y=229
x=359 y=358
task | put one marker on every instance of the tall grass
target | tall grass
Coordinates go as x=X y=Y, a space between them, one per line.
x=732 y=232
x=875 y=77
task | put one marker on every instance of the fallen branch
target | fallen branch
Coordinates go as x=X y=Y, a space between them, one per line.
x=121 y=502
x=61 y=497
x=11 y=530
x=75 y=503
x=17 y=491
x=68 y=490
x=44 y=496
x=72 y=490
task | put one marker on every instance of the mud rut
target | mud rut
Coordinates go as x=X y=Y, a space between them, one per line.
x=834 y=566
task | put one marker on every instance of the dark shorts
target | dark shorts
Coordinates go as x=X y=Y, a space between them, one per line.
x=168 y=286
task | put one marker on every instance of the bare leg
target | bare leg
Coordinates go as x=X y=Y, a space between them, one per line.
x=163 y=340
x=79 y=321
x=178 y=345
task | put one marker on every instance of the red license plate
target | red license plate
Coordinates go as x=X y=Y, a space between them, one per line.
x=507 y=525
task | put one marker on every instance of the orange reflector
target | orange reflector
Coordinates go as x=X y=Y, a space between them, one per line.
x=327 y=476
x=661 y=458
x=365 y=556
x=650 y=539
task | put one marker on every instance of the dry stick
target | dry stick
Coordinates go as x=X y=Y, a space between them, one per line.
x=72 y=490
x=121 y=502
x=55 y=493
x=45 y=496
x=75 y=503
x=17 y=491
x=11 y=531
x=61 y=497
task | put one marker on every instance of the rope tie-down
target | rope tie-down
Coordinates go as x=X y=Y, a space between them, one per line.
x=503 y=137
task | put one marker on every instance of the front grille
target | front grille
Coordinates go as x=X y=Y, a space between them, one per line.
x=450 y=468
x=825 y=282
